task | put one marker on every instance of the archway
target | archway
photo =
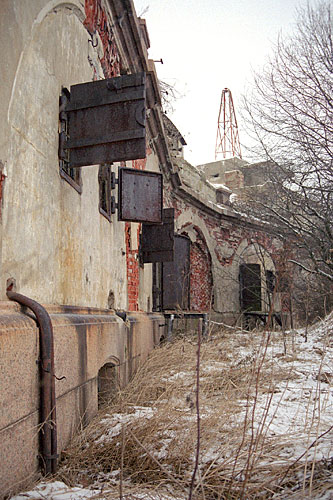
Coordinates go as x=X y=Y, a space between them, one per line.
x=201 y=281
x=201 y=276
x=108 y=383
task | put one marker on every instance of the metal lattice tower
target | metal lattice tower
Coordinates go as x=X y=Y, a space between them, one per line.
x=227 y=138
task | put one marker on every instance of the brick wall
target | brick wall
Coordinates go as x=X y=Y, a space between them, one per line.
x=200 y=278
x=132 y=265
x=226 y=237
x=97 y=21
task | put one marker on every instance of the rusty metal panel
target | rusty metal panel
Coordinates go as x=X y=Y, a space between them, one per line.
x=176 y=277
x=140 y=195
x=106 y=121
x=250 y=287
x=157 y=241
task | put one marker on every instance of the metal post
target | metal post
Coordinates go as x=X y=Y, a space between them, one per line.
x=170 y=327
x=204 y=325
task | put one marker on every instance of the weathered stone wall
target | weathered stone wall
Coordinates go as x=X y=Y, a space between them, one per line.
x=55 y=242
x=84 y=340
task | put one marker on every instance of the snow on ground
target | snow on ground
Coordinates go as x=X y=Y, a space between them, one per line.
x=57 y=490
x=115 y=422
x=296 y=411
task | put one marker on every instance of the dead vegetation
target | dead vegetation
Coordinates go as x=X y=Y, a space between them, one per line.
x=145 y=438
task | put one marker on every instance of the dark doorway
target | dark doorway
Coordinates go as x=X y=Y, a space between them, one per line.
x=250 y=287
x=108 y=383
x=176 y=277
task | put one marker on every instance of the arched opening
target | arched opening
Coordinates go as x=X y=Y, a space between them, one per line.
x=108 y=383
x=256 y=279
x=259 y=300
x=176 y=276
x=201 y=281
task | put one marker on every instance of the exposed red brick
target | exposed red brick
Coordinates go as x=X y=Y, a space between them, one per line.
x=200 y=278
x=97 y=21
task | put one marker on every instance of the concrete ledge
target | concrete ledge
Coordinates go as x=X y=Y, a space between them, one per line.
x=85 y=340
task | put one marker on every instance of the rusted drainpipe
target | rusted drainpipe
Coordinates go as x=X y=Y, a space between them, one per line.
x=48 y=426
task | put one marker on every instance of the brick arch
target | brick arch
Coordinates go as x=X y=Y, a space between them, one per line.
x=201 y=276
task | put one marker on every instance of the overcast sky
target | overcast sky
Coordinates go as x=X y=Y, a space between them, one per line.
x=207 y=45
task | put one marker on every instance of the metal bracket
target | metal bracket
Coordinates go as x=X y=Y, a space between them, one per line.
x=63 y=132
x=114 y=180
x=114 y=205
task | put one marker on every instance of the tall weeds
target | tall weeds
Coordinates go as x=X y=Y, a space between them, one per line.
x=222 y=449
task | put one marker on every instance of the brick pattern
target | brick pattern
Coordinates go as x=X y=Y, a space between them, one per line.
x=97 y=21
x=228 y=232
x=234 y=179
x=200 y=278
x=132 y=265
x=139 y=164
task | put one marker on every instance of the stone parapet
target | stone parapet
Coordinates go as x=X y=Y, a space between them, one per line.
x=85 y=341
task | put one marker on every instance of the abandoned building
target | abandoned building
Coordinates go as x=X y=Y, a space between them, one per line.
x=102 y=221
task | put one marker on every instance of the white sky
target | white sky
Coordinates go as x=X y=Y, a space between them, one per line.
x=207 y=45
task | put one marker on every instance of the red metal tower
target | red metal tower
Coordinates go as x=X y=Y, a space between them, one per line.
x=227 y=138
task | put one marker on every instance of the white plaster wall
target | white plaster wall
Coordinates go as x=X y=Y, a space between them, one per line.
x=55 y=243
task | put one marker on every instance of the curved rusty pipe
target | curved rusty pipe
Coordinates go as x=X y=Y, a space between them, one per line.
x=48 y=426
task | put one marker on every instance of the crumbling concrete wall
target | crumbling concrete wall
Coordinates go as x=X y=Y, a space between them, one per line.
x=55 y=242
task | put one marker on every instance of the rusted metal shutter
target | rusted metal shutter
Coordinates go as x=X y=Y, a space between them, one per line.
x=106 y=121
x=140 y=195
x=250 y=287
x=176 y=277
x=157 y=240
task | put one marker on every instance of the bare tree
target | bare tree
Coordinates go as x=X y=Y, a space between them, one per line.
x=170 y=94
x=290 y=112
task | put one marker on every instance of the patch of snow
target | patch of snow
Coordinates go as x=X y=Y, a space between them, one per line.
x=176 y=376
x=115 y=423
x=57 y=490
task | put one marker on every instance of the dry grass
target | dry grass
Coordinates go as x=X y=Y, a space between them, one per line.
x=237 y=457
